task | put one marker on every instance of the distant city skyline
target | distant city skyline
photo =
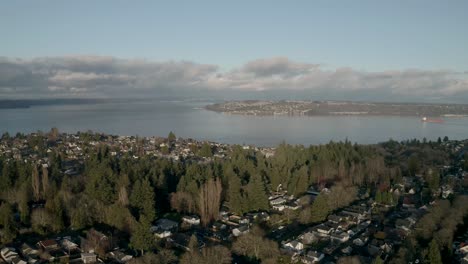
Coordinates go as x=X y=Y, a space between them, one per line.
x=330 y=49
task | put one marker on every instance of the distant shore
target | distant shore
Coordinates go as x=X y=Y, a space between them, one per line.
x=338 y=108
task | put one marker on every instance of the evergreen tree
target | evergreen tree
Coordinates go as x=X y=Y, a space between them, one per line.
x=303 y=180
x=171 y=137
x=55 y=210
x=319 y=209
x=193 y=243
x=257 y=197
x=23 y=207
x=142 y=198
x=234 y=194
x=378 y=260
x=378 y=196
x=100 y=185
x=206 y=151
x=7 y=224
x=434 y=253
x=141 y=238
x=433 y=179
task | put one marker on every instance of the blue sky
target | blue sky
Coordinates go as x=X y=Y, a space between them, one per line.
x=356 y=49
x=366 y=35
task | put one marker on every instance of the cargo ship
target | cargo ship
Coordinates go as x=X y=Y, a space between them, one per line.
x=432 y=120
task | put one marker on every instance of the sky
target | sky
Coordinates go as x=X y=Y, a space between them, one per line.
x=338 y=49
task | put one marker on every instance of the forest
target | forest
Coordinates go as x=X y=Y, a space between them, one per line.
x=129 y=194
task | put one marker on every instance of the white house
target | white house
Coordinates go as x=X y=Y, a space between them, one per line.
x=312 y=257
x=294 y=245
x=8 y=254
x=88 y=257
x=191 y=219
x=162 y=233
x=244 y=229
x=340 y=237
x=278 y=201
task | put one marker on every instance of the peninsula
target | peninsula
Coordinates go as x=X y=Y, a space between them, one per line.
x=315 y=108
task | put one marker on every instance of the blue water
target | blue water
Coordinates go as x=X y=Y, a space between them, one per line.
x=190 y=120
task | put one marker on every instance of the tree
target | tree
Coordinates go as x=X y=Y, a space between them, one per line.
x=100 y=184
x=53 y=134
x=8 y=230
x=413 y=165
x=123 y=193
x=234 y=194
x=256 y=194
x=433 y=179
x=55 y=210
x=378 y=260
x=36 y=184
x=45 y=181
x=434 y=253
x=164 y=256
x=378 y=197
x=183 y=202
x=141 y=238
x=142 y=198
x=41 y=220
x=171 y=137
x=319 y=209
x=254 y=245
x=23 y=207
x=205 y=150
x=210 y=200
x=208 y=255
x=193 y=243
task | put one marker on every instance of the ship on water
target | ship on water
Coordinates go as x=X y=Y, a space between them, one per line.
x=432 y=120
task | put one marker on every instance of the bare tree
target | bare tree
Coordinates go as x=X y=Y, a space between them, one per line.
x=45 y=180
x=36 y=184
x=183 y=202
x=210 y=200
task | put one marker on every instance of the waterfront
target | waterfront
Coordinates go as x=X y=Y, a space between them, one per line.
x=188 y=119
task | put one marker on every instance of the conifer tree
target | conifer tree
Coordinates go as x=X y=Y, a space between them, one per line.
x=142 y=198
x=141 y=238
x=257 y=197
x=319 y=209
x=171 y=137
x=234 y=194
x=434 y=253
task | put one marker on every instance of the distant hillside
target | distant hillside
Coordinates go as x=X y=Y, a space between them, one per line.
x=293 y=108
x=27 y=103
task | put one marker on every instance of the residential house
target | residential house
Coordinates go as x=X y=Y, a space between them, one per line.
x=96 y=241
x=119 y=256
x=339 y=237
x=48 y=245
x=9 y=254
x=308 y=238
x=294 y=245
x=164 y=228
x=30 y=253
x=243 y=229
x=88 y=258
x=191 y=219
x=312 y=256
x=323 y=230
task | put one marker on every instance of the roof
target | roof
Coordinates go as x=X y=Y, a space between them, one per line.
x=88 y=255
x=166 y=224
x=48 y=243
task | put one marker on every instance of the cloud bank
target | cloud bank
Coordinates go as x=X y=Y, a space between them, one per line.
x=109 y=77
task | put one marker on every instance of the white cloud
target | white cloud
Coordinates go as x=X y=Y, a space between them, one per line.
x=91 y=76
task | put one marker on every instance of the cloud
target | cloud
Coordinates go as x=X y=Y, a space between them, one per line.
x=103 y=76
